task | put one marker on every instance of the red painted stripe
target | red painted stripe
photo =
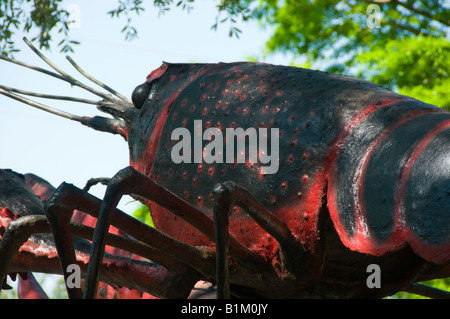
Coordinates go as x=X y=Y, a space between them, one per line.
x=360 y=210
x=435 y=253
x=401 y=235
x=352 y=243
x=156 y=74
x=358 y=118
x=415 y=152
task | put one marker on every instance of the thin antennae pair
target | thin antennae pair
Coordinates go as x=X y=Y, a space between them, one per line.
x=107 y=99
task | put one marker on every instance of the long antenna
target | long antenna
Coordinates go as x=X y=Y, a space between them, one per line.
x=66 y=76
x=41 y=106
x=118 y=106
x=49 y=96
x=107 y=88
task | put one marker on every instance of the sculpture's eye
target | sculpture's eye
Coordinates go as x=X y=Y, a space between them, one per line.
x=140 y=95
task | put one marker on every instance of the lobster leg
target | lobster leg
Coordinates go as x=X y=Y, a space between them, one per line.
x=229 y=194
x=130 y=181
x=153 y=244
x=427 y=291
x=60 y=226
x=18 y=232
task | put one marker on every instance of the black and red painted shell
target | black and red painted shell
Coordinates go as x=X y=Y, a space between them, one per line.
x=379 y=160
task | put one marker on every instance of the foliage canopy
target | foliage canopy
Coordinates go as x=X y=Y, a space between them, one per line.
x=401 y=44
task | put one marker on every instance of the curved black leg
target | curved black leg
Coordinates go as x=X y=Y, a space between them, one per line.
x=223 y=203
x=17 y=233
x=130 y=181
x=229 y=194
x=148 y=242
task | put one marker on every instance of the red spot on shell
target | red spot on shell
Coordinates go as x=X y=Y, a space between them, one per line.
x=264 y=90
x=200 y=200
x=305 y=179
x=260 y=175
x=237 y=92
x=194 y=181
x=199 y=168
x=184 y=102
x=184 y=175
x=283 y=185
x=290 y=159
x=204 y=111
x=216 y=87
x=193 y=106
x=294 y=141
x=243 y=97
x=225 y=105
x=186 y=194
x=306 y=154
x=245 y=110
x=265 y=109
x=273 y=199
x=244 y=77
x=208 y=124
x=230 y=81
x=184 y=122
x=203 y=97
x=211 y=171
x=226 y=91
x=268 y=101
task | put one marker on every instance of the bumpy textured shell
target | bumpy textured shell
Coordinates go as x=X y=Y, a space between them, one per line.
x=354 y=146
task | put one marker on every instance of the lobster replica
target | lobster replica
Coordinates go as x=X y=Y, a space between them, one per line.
x=357 y=175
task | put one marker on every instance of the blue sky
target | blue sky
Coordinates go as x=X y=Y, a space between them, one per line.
x=60 y=150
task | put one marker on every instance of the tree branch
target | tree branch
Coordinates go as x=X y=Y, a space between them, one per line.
x=411 y=8
x=421 y=12
x=428 y=291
